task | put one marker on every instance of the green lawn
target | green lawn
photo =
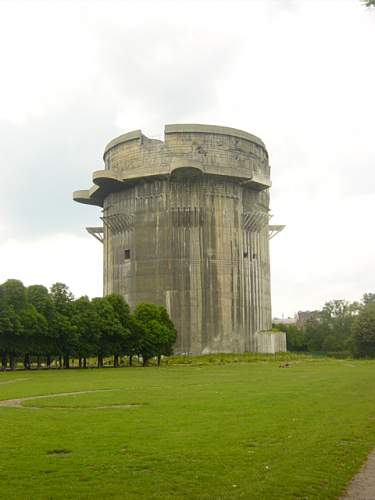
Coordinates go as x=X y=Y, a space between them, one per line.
x=234 y=430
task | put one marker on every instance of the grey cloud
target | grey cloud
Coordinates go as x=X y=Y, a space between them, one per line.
x=45 y=160
x=166 y=75
x=169 y=71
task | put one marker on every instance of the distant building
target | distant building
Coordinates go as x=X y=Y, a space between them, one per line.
x=284 y=321
x=303 y=316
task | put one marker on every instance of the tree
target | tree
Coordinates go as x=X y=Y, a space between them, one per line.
x=122 y=343
x=13 y=293
x=109 y=329
x=12 y=301
x=10 y=332
x=364 y=331
x=34 y=332
x=158 y=331
x=62 y=298
x=295 y=337
x=332 y=332
x=368 y=298
x=85 y=321
x=64 y=337
x=61 y=327
x=368 y=3
x=38 y=296
x=315 y=333
x=171 y=333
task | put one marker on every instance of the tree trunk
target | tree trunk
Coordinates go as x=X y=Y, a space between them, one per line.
x=145 y=360
x=131 y=360
x=159 y=357
x=26 y=362
x=11 y=361
x=100 y=360
x=66 y=362
x=115 y=360
x=80 y=362
x=60 y=361
x=48 y=361
x=38 y=362
x=84 y=362
x=3 y=360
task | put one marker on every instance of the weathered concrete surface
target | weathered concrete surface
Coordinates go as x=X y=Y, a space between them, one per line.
x=271 y=342
x=362 y=486
x=186 y=226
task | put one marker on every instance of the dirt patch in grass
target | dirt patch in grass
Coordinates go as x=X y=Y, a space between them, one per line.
x=13 y=381
x=120 y=406
x=18 y=402
x=59 y=452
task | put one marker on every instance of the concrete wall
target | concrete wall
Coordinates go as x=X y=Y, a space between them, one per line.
x=271 y=342
x=192 y=214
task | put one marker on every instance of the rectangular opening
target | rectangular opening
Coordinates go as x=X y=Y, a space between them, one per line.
x=127 y=254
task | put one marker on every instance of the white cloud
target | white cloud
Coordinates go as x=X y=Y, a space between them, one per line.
x=297 y=74
x=76 y=261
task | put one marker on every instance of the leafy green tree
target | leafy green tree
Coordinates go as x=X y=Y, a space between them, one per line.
x=13 y=293
x=368 y=298
x=110 y=330
x=10 y=335
x=171 y=334
x=158 y=331
x=39 y=297
x=134 y=340
x=61 y=328
x=314 y=332
x=295 y=337
x=12 y=301
x=34 y=332
x=64 y=337
x=364 y=331
x=62 y=298
x=332 y=331
x=337 y=317
x=85 y=322
x=123 y=342
x=369 y=3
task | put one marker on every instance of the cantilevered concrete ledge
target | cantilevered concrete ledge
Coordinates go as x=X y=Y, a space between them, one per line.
x=92 y=196
x=188 y=151
x=106 y=178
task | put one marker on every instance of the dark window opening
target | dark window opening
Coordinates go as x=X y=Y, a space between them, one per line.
x=245 y=255
x=254 y=255
x=127 y=254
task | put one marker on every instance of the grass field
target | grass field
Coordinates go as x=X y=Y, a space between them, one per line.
x=207 y=431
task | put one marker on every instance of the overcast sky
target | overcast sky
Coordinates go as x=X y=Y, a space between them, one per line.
x=299 y=74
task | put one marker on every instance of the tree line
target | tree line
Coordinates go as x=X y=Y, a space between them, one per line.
x=341 y=327
x=53 y=325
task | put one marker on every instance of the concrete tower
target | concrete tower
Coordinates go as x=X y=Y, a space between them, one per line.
x=186 y=225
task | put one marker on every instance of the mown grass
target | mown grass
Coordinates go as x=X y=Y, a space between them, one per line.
x=202 y=431
x=223 y=358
